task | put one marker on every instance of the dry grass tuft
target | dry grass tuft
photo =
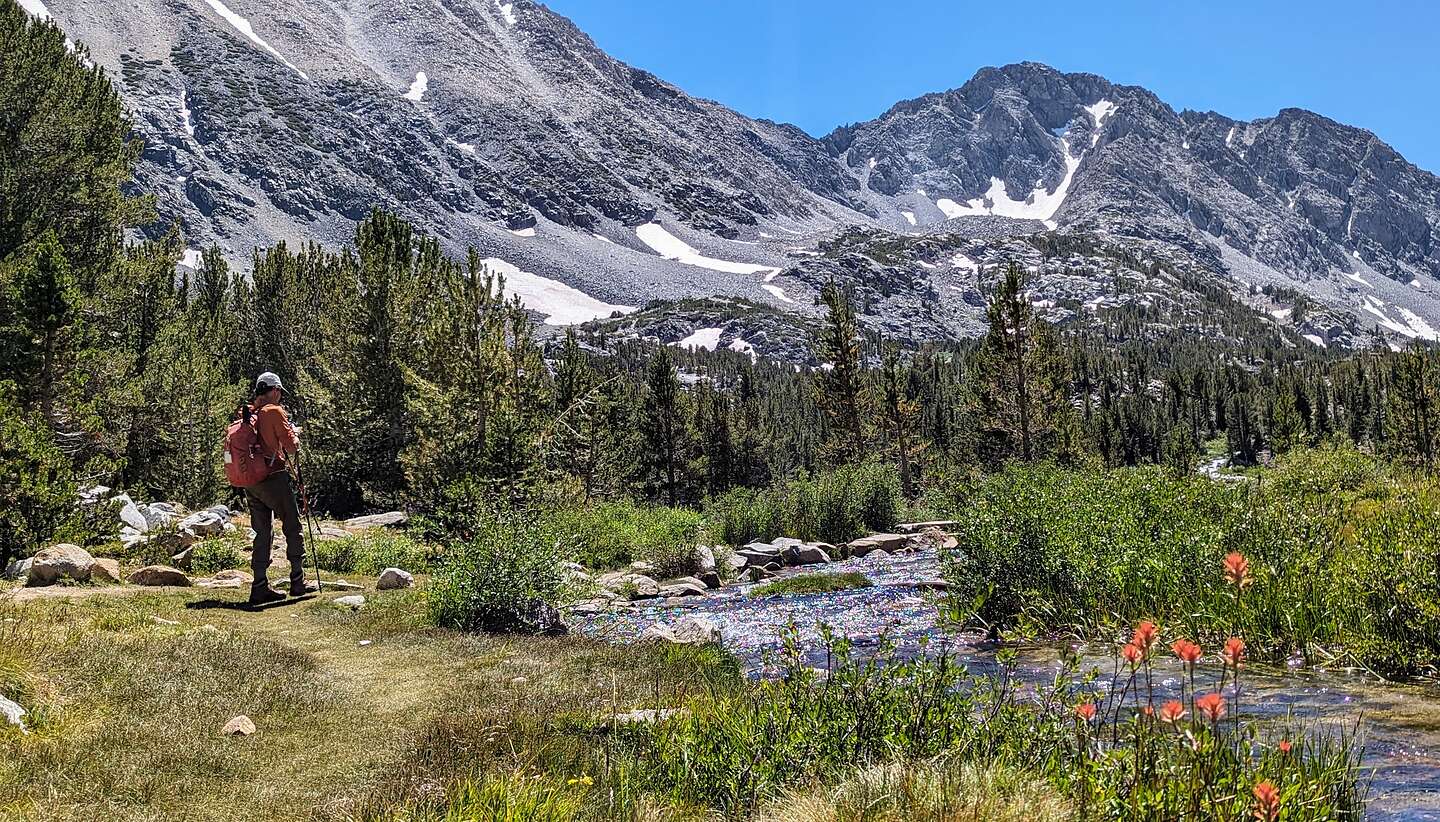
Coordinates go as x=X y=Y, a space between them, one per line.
x=937 y=791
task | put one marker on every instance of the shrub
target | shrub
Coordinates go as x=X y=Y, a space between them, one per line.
x=612 y=534
x=506 y=579
x=215 y=555
x=1345 y=554
x=835 y=506
x=373 y=551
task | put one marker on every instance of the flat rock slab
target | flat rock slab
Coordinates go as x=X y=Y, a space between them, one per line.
x=893 y=543
x=389 y=519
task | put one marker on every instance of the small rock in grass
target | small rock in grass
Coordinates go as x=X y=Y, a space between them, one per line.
x=239 y=726
x=13 y=713
x=365 y=642
x=519 y=680
x=160 y=576
x=394 y=579
x=162 y=621
x=354 y=602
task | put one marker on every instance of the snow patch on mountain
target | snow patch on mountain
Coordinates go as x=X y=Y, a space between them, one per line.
x=1350 y=275
x=36 y=9
x=1410 y=324
x=1099 y=112
x=909 y=216
x=777 y=292
x=739 y=346
x=185 y=121
x=561 y=304
x=507 y=11
x=243 y=26
x=418 y=87
x=1039 y=205
x=706 y=338
x=670 y=247
x=191 y=259
x=523 y=232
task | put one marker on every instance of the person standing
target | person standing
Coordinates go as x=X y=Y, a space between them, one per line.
x=275 y=495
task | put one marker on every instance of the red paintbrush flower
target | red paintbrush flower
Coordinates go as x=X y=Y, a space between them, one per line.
x=1212 y=706
x=1234 y=651
x=1145 y=635
x=1186 y=651
x=1284 y=746
x=1133 y=654
x=1172 y=712
x=1086 y=711
x=1237 y=570
x=1267 y=802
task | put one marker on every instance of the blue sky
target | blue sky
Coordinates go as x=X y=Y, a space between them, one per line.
x=821 y=63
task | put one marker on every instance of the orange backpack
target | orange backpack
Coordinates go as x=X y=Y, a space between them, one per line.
x=245 y=465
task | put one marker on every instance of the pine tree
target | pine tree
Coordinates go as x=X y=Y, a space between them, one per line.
x=1019 y=395
x=43 y=313
x=662 y=424
x=900 y=414
x=1415 y=407
x=839 y=384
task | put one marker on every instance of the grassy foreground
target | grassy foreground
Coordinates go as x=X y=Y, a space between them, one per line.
x=373 y=715
x=127 y=708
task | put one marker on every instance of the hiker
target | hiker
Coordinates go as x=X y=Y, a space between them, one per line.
x=275 y=495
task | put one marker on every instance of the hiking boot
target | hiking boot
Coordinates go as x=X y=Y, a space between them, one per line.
x=300 y=589
x=265 y=596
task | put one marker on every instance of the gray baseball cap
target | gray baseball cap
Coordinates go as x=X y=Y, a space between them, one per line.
x=268 y=381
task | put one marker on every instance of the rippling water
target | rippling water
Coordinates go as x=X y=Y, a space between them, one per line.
x=1400 y=724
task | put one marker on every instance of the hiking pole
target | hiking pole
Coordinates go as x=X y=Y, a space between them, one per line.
x=309 y=522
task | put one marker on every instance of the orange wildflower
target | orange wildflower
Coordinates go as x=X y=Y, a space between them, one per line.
x=1085 y=710
x=1172 y=712
x=1212 y=705
x=1284 y=746
x=1234 y=651
x=1133 y=654
x=1145 y=635
x=1237 y=570
x=1267 y=802
x=1186 y=651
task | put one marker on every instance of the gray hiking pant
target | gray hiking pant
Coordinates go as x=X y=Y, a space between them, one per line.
x=275 y=497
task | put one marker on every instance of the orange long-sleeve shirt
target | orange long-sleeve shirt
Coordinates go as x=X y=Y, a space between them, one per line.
x=278 y=436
